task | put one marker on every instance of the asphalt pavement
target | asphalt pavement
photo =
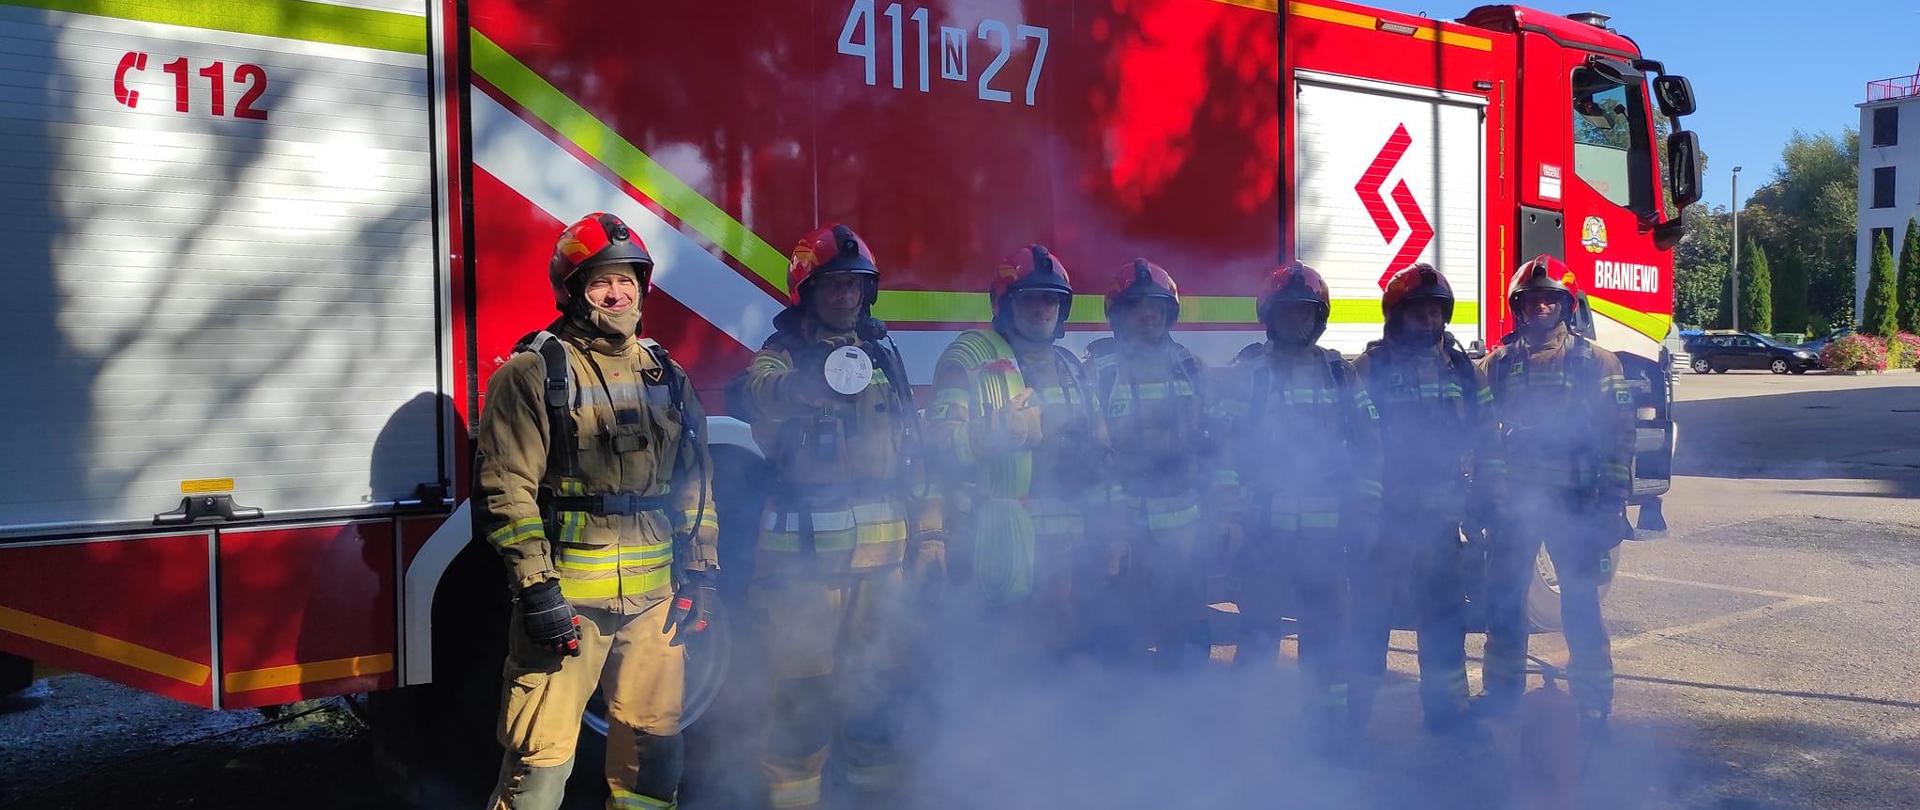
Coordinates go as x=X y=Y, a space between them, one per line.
x=1765 y=649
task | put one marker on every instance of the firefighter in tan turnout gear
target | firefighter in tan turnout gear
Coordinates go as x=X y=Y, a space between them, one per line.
x=1019 y=438
x=1304 y=439
x=833 y=412
x=1163 y=470
x=593 y=483
x=1565 y=417
x=1439 y=462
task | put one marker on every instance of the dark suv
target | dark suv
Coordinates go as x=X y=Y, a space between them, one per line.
x=1719 y=351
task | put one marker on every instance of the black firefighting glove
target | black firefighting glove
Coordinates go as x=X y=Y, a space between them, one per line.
x=549 y=621
x=692 y=608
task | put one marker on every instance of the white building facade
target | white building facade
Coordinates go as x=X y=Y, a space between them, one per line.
x=1889 y=171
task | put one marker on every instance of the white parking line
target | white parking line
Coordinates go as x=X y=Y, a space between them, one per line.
x=1719 y=587
x=1715 y=623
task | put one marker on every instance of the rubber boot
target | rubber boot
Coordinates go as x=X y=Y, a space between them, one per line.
x=524 y=787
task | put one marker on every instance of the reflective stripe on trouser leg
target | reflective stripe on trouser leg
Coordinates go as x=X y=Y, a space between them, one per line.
x=1439 y=601
x=644 y=683
x=1510 y=573
x=523 y=787
x=803 y=721
x=1317 y=582
x=1589 y=650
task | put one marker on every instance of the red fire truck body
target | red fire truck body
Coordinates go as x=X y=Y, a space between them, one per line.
x=238 y=516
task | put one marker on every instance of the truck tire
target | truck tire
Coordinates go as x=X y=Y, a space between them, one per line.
x=1543 y=593
x=16 y=674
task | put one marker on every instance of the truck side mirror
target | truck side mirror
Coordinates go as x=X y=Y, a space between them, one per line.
x=1683 y=179
x=1683 y=168
x=1674 y=94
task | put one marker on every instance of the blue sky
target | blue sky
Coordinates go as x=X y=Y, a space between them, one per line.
x=1760 y=69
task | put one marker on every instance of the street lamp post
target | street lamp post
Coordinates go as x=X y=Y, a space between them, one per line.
x=1733 y=303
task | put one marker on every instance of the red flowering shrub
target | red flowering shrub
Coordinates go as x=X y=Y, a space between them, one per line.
x=1855 y=352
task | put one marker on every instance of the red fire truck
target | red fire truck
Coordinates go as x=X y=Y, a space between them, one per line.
x=265 y=256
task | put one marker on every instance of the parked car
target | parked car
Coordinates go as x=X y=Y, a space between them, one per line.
x=1816 y=344
x=1719 y=351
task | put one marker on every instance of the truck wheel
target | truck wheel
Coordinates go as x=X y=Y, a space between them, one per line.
x=434 y=745
x=16 y=674
x=1543 y=594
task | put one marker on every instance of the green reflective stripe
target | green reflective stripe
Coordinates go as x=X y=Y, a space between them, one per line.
x=1320 y=520
x=629 y=800
x=1173 y=520
x=516 y=531
x=1226 y=478
x=283 y=19
x=797 y=793
x=974 y=307
x=1651 y=324
x=571 y=559
x=1158 y=390
x=870 y=776
x=545 y=102
x=1484 y=395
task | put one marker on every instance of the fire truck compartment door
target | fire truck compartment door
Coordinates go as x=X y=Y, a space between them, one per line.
x=220 y=229
x=1385 y=176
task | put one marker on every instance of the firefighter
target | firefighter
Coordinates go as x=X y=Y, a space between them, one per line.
x=1438 y=448
x=1020 y=440
x=1163 y=466
x=832 y=411
x=1565 y=418
x=1304 y=441
x=593 y=483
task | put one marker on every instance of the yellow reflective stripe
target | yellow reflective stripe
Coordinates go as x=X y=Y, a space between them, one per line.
x=545 y=102
x=283 y=19
x=1370 y=489
x=892 y=532
x=870 y=776
x=125 y=653
x=1320 y=520
x=1484 y=395
x=629 y=800
x=1226 y=478
x=609 y=587
x=1651 y=324
x=308 y=672
x=697 y=518
x=797 y=793
x=516 y=531
x=973 y=307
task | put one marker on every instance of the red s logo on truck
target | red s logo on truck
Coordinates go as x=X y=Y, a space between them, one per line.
x=134 y=60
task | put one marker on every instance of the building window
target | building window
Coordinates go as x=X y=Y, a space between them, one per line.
x=1886 y=126
x=1883 y=187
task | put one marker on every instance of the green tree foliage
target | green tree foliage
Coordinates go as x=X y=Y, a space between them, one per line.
x=1908 y=287
x=1879 y=314
x=1804 y=218
x=1756 y=290
x=1790 y=310
x=1700 y=264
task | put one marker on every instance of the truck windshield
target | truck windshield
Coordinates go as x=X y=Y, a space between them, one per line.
x=1612 y=148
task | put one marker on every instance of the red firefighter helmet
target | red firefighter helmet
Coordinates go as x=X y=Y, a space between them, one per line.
x=1295 y=281
x=827 y=251
x=1543 y=272
x=1417 y=283
x=1033 y=267
x=1142 y=279
x=597 y=239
